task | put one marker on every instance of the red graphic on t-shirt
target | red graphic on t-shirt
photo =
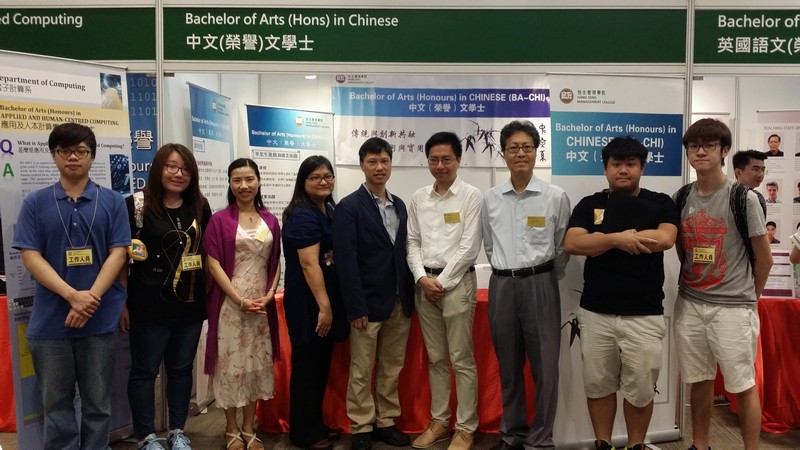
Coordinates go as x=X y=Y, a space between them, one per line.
x=702 y=230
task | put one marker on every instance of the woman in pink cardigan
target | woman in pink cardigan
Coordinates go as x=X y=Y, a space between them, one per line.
x=243 y=246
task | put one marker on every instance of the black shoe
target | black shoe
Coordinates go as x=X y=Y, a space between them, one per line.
x=322 y=444
x=503 y=445
x=392 y=436
x=361 y=441
x=333 y=435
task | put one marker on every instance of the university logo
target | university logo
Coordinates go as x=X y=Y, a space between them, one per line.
x=340 y=79
x=566 y=96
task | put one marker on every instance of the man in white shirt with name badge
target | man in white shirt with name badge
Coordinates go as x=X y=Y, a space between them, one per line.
x=444 y=239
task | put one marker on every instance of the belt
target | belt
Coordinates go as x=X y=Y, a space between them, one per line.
x=438 y=271
x=525 y=271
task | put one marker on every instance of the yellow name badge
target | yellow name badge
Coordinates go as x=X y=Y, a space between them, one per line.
x=191 y=262
x=452 y=217
x=262 y=232
x=79 y=257
x=703 y=255
x=536 y=221
x=598 y=216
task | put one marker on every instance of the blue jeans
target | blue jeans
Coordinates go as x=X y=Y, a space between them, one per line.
x=176 y=345
x=59 y=365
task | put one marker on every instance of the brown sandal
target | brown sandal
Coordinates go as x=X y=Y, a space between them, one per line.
x=253 y=442
x=235 y=442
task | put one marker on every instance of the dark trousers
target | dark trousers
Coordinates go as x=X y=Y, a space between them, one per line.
x=311 y=364
x=61 y=364
x=176 y=345
x=525 y=319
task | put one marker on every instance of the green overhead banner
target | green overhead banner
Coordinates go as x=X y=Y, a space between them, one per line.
x=649 y=36
x=81 y=33
x=426 y=35
x=753 y=36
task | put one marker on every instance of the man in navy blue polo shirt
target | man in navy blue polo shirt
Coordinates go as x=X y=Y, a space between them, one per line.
x=73 y=237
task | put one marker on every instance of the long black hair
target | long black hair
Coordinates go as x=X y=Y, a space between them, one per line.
x=237 y=164
x=300 y=196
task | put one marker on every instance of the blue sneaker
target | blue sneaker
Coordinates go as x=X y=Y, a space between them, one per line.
x=178 y=440
x=151 y=442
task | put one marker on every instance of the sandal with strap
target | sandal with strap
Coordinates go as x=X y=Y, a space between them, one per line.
x=253 y=442
x=235 y=442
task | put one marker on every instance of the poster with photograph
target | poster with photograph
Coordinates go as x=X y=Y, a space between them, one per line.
x=780 y=134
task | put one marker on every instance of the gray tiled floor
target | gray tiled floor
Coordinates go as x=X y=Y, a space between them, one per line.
x=206 y=432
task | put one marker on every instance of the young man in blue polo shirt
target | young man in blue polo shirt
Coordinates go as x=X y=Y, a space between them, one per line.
x=73 y=237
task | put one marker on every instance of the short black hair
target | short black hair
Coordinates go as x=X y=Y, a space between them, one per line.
x=774 y=135
x=742 y=158
x=374 y=145
x=69 y=134
x=526 y=126
x=624 y=147
x=772 y=223
x=444 y=138
x=772 y=183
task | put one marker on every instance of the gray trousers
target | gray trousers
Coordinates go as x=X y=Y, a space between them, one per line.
x=525 y=319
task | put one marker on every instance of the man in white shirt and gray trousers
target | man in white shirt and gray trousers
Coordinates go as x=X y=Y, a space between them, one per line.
x=524 y=224
x=444 y=239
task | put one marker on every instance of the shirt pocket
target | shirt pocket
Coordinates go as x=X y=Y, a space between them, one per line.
x=538 y=233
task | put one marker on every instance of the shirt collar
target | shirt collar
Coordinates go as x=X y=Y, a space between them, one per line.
x=389 y=198
x=453 y=188
x=534 y=185
x=89 y=192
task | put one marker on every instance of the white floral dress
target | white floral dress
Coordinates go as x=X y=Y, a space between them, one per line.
x=244 y=371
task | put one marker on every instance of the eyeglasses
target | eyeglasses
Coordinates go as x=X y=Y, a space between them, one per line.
x=433 y=162
x=758 y=169
x=80 y=152
x=708 y=146
x=527 y=148
x=173 y=169
x=318 y=178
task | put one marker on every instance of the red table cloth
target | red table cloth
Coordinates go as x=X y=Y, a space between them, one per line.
x=273 y=415
x=777 y=366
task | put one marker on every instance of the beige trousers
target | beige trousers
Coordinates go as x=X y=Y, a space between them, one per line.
x=382 y=345
x=447 y=330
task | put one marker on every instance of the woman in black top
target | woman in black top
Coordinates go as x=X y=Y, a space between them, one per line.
x=312 y=301
x=166 y=291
